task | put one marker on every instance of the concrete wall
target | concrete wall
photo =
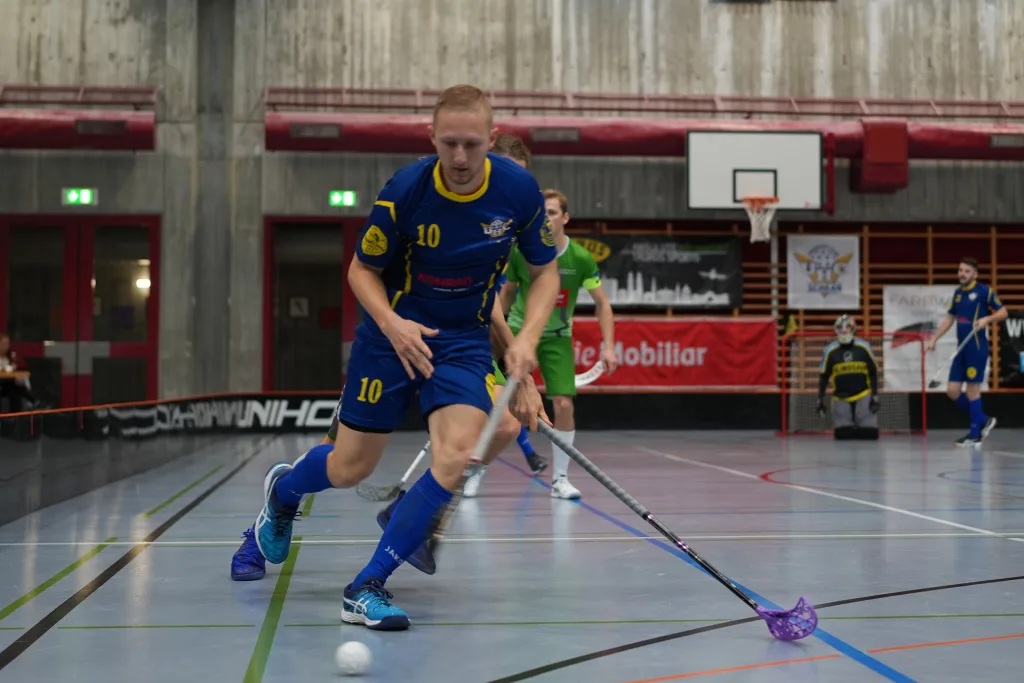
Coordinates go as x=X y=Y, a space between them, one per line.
x=850 y=48
x=211 y=183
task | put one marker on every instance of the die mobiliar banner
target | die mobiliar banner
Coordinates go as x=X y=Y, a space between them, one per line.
x=680 y=354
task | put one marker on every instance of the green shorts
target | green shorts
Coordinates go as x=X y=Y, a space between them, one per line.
x=499 y=376
x=557 y=365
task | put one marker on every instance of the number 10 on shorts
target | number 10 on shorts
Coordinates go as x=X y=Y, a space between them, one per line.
x=369 y=390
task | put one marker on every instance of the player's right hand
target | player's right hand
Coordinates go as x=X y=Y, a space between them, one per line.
x=931 y=344
x=406 y=337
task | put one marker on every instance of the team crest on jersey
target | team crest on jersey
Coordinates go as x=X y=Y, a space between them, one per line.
x=497 y=227
x=545 y=234
x=375 y=242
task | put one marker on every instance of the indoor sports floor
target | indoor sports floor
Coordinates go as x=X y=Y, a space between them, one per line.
x=913 y=550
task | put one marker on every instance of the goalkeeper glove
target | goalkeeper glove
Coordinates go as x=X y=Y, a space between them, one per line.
x=821 y=407
x=873 y=406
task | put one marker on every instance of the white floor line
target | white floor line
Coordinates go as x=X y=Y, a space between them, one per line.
x=828 y=494
x=538 y=539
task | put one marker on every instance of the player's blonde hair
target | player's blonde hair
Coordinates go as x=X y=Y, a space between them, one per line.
x=562 y=200
x=464 y=98
x=511 y=146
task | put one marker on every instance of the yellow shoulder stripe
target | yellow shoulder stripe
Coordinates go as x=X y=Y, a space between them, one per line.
x=389 y=205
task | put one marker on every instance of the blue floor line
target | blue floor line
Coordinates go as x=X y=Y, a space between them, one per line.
x=834 y=642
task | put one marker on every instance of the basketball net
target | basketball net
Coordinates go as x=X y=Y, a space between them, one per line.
x=761 y=211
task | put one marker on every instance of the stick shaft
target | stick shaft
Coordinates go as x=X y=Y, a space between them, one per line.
x=643 y=512
x=482 y=444
x=423 y=451
x=959 y=348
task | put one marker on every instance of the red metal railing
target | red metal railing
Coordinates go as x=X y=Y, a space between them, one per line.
x=136 y=97
x=377 y=99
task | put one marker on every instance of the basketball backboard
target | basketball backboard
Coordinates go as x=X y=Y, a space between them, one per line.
x=723 y=167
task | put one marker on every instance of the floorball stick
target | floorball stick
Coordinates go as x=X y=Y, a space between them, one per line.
x=945 y=368
x=591 y=375
x=799 y=622
x=369 y=491
x=482 y=444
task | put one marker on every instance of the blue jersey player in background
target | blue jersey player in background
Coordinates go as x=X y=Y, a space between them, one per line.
x=974 y=306
x=429 y=256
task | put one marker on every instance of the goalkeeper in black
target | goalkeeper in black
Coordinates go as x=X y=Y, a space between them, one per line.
x=849 y=365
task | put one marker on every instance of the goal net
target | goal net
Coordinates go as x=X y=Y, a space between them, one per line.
x=901 y=400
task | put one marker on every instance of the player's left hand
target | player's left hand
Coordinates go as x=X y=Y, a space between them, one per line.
x=527 y=406
x=610 y=358
x=520 y=359
x=873 y=404
x=981 y=323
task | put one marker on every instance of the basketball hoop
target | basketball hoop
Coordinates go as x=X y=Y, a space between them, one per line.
x=761 y=211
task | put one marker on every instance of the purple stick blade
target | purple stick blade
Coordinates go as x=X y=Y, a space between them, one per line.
x=791 y=624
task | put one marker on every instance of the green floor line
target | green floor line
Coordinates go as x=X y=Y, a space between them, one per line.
x=28 y=597
x=179 y=494
x=158 y=626
x=308 y=506
x=12 y=628
x=265 y=640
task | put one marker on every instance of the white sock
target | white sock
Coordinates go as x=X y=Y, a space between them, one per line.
x=560 y=457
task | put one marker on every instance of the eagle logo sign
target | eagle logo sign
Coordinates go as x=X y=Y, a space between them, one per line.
x=824 y=266
x=497 y=227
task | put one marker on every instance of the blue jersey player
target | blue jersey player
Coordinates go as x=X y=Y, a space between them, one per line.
x=973 y=308
x=437 y=239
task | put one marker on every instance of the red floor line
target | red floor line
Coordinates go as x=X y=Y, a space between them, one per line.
x=764 y=665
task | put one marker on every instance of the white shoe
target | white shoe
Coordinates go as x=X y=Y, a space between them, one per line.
x=561 y=488
x=472 y=486
x=990 y=424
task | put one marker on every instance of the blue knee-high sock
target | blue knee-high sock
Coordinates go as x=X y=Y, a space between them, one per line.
x=524 y=442
x=408 y=529
x=308 y=475
x=978 y=418
x=964 y=404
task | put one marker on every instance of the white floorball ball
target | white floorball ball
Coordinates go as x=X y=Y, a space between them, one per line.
x=353 y=658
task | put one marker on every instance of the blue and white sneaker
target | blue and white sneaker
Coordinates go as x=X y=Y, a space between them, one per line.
x=248 y=564
x=370 y=605
x=274 y=525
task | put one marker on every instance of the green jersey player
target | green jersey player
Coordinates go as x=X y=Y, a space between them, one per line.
x=554 y=352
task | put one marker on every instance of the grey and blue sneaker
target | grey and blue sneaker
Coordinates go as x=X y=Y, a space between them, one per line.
x=423 y=557
x=370 y=605
x=274 y=525
x=248 y=564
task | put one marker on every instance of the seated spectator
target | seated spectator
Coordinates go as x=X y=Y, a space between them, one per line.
x=18 y=392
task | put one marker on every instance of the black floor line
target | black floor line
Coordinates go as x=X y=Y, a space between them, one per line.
x=565 y=663
x=29 y=637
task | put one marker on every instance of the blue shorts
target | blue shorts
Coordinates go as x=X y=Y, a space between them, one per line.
x=378 y=392
x=969 y=365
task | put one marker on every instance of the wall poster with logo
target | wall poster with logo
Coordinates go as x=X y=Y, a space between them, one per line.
x=823 y=272
x=916 y=309
x=667 y=271
x=1011 y=350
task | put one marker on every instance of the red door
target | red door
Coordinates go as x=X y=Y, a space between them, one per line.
x=78 y=295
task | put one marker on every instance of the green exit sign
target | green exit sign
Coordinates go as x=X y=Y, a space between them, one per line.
x=342 y=198
x=79 y=196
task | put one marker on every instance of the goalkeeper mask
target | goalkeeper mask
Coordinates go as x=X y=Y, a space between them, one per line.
x=845 y=329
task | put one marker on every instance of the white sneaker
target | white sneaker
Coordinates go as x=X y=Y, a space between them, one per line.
x=990 y=424
x=561 y=488
x=472 y=486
